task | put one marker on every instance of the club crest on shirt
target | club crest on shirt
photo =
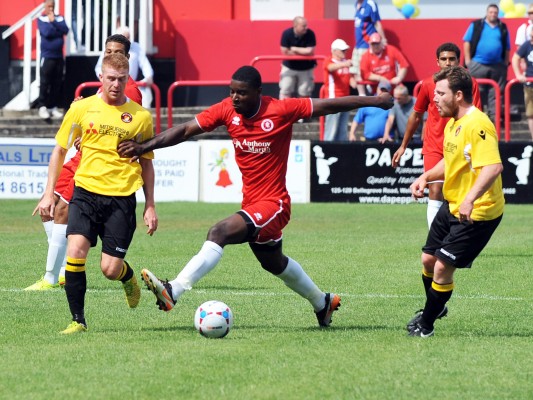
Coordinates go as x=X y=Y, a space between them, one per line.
x=126 y=117
x=458 y=130
x=267 y=125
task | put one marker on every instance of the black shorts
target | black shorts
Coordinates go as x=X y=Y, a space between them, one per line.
x=458 y=243
x=112 y=218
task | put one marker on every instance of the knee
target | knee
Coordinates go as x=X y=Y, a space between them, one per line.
x=428 y=262
x=217 y=234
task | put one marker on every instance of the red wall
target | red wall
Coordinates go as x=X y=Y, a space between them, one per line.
x=214 y=53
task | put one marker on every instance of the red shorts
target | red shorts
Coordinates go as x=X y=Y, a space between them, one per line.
x=431 y=159
x=65 y=183
x=269 y=217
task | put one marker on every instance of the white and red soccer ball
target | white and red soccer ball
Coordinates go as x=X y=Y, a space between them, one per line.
x=213 y=319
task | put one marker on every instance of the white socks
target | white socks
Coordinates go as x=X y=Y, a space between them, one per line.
x=48 y=226
x=200 y=265
x=295 y=278
x=433 y=208
x=57 y=249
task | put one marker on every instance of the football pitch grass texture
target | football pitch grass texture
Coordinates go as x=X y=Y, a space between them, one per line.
x=369 y=254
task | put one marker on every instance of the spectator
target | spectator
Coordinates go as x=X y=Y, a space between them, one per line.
x=486 y=47
x=337 y=79
x=525 y=54
x=404 y=104
x=138 y=62
x=367 y=22
x=52 y=29
x=373 y=118
x=297 y=76
x=524 y=30
x=383 y=63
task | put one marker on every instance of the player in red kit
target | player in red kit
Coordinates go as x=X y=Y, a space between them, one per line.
x=448 y=55
x=261 y=130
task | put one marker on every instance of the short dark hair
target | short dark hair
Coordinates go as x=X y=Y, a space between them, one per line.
x=449 y=46
x=249 y=75
x=458 y=79
x=117 y=38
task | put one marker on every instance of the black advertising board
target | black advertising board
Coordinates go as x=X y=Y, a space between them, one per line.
x=362 y=172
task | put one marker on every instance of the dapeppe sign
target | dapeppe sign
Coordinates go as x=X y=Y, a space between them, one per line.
x=363 y=173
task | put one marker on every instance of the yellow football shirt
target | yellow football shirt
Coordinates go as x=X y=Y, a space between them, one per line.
x=101 y=128
x=469 y=144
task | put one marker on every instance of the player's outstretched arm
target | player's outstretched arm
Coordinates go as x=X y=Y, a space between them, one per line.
x=170 y=137
x=414 y=120
x=339 y=104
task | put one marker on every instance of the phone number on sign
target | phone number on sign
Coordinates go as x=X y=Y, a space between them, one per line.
x=22 y=188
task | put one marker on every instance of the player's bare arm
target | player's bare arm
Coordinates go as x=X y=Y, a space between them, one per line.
x=339 y=104
x=486 y=178
x=414 y=121
x=435 y=173
x=170 y=137
x=47 y=203
x=149 y=214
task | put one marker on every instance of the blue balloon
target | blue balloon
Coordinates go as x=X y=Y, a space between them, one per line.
x=408 y=10
x=501 y=14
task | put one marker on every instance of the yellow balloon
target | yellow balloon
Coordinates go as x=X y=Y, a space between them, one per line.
x=398 y=3
x=413 y=2
x=416 y=13
x=511 y=14
x=520 y=9
x=506 y=5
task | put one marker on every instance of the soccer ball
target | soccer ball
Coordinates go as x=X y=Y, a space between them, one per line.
x=213 y=319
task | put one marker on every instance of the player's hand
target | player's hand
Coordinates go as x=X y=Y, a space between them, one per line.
x=131 y=149
x=418 y=186
x=397 y=156
x=45 y=207
x=385 y=100
x=465 y=212
x=150 y=220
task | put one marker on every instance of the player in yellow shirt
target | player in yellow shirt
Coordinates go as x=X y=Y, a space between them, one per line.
x=103 y=204
x=473 y=194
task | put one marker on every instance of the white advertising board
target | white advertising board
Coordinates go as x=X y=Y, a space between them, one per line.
x=269 y=10
x=221 y=180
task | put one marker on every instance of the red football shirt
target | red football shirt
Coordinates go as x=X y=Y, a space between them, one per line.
x=336 y=83
x=262 y=143
x=434 y=126
x=385 y=64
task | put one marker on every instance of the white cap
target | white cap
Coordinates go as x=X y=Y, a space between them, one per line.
x=339 y=44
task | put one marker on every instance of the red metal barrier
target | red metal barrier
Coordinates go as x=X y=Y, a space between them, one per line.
x=154 y=87
x=173 y=86
x=507 y=106
x=255 y=60
x=497 y=105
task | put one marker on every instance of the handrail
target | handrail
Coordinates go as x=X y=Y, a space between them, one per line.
x=176 y=84
x=497 y=105
x=97 y=84
x=507 y=106
x=31 y=16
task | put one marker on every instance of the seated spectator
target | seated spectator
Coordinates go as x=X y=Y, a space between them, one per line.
x=404 y=104
x=337 y=79
x=383 y=63
x=297 y=76
x=373 y=118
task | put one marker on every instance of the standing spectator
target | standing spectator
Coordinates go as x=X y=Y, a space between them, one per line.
x=337 y=80
x=138 y=62
x=383 y=63
x=404 y=104
x=473 y=191
x=486 y=47
x=297 y=76
x=524 y=30
x=524 y=54
x=373 y=118
x=367 y=21
x=52 y=29
x=448 y=55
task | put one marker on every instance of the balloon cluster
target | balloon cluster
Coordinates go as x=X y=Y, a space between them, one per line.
x=508 y=9
x=409 y=8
